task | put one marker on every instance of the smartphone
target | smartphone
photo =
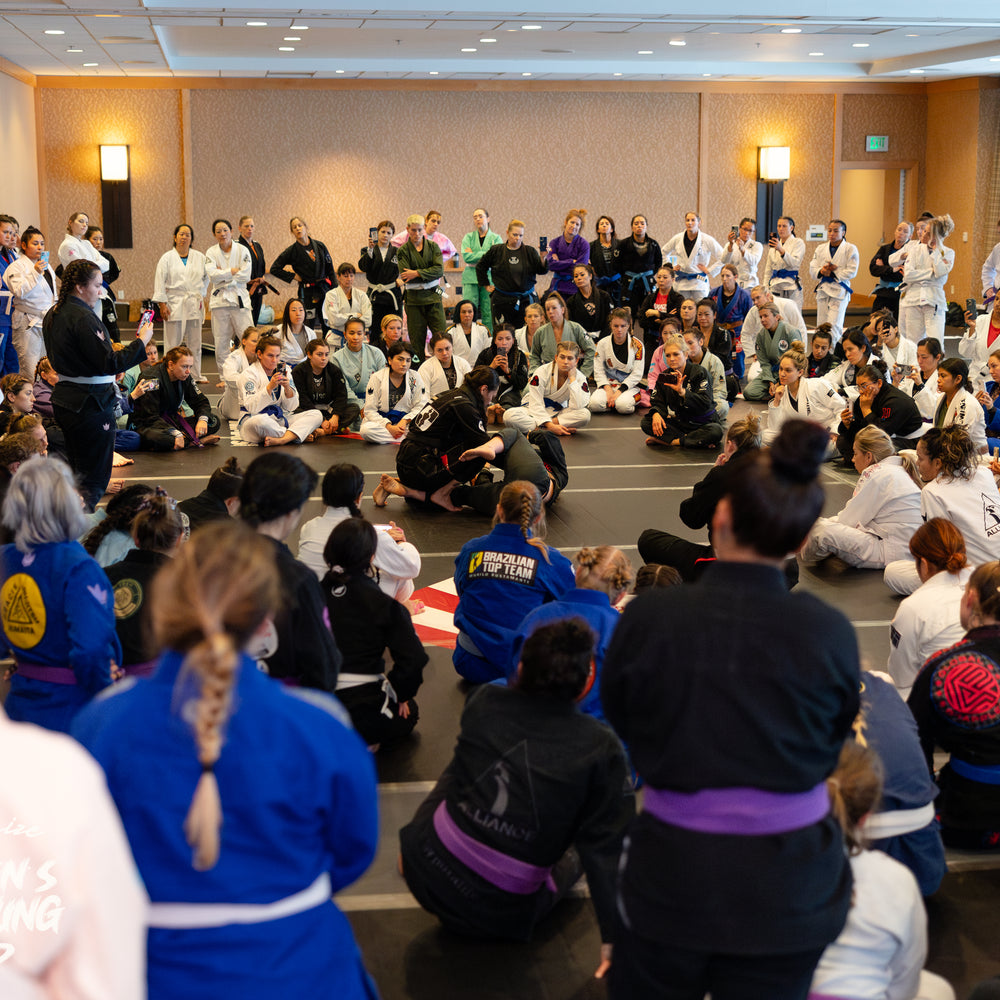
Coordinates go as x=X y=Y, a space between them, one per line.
x=772 y=236
x=146 y=317
x=672 y=378
x=281 y=368
x=44 y=256
x=543 y=243
x=373 y=233
x=148 y=384
x=971 y=306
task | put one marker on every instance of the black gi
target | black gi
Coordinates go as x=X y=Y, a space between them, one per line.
x=380 y=268
x=156 y=416
x=692 y=417
x=258 y=268
x=513 y=280
x=331 y=399
x=314 y=266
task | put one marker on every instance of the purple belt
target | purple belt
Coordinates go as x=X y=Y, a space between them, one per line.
x=748 y=812
x=498 y=869
x=140 y=669
x=40 y=672
x=824 y=996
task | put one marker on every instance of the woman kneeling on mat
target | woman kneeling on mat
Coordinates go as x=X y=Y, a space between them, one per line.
x=447 y=445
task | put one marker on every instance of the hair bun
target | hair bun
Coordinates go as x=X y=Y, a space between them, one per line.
x=799 y=449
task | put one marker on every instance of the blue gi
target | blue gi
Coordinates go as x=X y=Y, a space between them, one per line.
x=58 y=616
x=499 y=577
x=299 y=808
x=9 y=363
x=594 y=607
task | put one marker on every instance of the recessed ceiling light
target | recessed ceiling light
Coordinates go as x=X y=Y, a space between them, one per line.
x=74 y=49
x=434 y=72
x=616 y=74
x=299 y=27
x=677 y=41
x=860 y=45
x=791 y=31
x=912 y=36
x=917 y=71
x=90 y=64
x=530 y=27
x=54 y=31
x=256 y=24
x=815 y=53
x=995 y=59
x=339 y=71
x=487 y=41
x=644 y=52
x=286 y=48
x=470 y=50
x=525 y=74
x=291 y=38
x=706 y=74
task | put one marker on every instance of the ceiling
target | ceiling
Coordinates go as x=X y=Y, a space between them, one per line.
x=564 y=40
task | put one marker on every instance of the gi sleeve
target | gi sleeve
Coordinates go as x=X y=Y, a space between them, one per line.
x=93 y=640
x=408 y=654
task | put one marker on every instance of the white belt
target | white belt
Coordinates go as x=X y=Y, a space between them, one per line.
x=345 y=681
x=420 y=285
x=187 y=916
x=896 y=822
x=382 y=288
x=88 y=379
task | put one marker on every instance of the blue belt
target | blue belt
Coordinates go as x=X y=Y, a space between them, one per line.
x=643 y=276
x=690 y=275
x=788 y=272
x=829 y=279
x=394 y=415
x=988 y=774
x=608 y=279
x=517 y=295
x=888 y=285
x=554 y=404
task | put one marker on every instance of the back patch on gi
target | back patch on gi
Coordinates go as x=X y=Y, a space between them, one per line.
x=506 y=566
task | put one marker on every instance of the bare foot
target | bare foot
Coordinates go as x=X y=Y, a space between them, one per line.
x=442 y=497
x=380 y=495
x=415 y=607
x=209 y=439
x=179 y=442
x=270 y=442
x=120 y=460
x=115 y=486
x=392 y=485
x=654 y=441
x=310 y=437
x=220 y=385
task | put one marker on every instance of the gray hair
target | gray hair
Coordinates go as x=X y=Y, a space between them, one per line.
x=43 y=504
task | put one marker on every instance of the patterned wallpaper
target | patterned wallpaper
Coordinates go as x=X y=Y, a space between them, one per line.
x=902 y=117
x=737 y=124
x=987 y=183
x=348 y=159
x=75 y=123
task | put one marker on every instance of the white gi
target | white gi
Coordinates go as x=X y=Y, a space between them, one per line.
x=469 y=348
x=876 y=524
x=966 y=410
x=973 y=506
x=182 y=287
x=608 y=370
x=87 y=935
x=373 y=427
x=544 y=400
x=688 y=280
x=904 y=353
x=883 y=946
x=236 y=364
x=785 y=285
x=255 y=398
x=521 y=339
x=73 y=248
x=818 y=401
x=972 y=347
x=923 y=305
x=338 y=310
x=293 y=348
x=717 y=376
x=790 y=313
x=32 y=299
x=831 y=297
x=746 y=260
x=926 y=621
x=398 y=563
x=991 y=275
x=434 y=377
x=229 y=300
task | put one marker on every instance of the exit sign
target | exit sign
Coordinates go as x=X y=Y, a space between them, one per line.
x=876 y=144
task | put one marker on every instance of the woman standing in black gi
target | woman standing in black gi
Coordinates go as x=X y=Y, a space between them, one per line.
x=78 y=346
x=734 y=877
x=308 y=262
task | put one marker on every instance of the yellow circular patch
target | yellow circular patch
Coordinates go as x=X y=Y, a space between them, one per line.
x=23 y=611
x=128 y=598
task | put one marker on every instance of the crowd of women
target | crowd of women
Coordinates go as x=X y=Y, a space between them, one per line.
x=253 y=705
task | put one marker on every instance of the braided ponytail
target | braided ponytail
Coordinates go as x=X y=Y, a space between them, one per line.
x=604 y=568
x=521 y=503
x=206 y=603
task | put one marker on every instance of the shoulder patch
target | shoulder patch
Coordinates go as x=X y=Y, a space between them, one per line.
x=248 y=386
x=534 y=380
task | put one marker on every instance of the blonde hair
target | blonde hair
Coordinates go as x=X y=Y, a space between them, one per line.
x=676 y=340
x=797 y=355
x=520 y=503
x=855 y=790
x=206 y=603
x=603 y=568
x=875 y=442
x=746 y=432
x=941 y=227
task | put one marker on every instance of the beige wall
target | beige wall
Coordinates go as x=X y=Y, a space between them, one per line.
x=20 y=169
x=75 y=123
x=987 y=166
x=348 y=157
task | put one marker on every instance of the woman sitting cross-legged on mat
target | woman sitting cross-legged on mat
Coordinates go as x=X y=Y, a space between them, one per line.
x=796 y=397
x=683 y=407
x=697 y=510
x=501 y=576
x=875 y=526
x=367 y=622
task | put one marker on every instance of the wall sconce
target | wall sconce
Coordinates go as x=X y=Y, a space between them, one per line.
x=114 y=163
x=116 y=197
x=772 y=172
x=773 y=162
